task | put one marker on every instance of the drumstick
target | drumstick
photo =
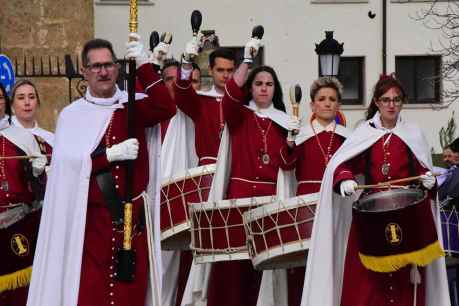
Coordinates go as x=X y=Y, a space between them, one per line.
x=389 y=183
x=22 y=157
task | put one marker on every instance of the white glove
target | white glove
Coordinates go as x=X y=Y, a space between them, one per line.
x=160 y=53
x=251 y=49
x=293 y=123
x=347 y=187
x=135 y=50
x=191 y=49
x=126 y=150
x=38 y=165
x=428 y=180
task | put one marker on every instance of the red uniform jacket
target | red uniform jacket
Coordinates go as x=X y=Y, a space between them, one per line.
x=102 y=239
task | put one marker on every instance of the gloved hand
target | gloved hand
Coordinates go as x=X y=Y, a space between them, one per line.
x=126 y=150
x=293 y=123
x=251 y=49
x=347 y=187
x=38 y=165
x=428 y=180
x=191 y=49
x=159 y=54
x=134 y=49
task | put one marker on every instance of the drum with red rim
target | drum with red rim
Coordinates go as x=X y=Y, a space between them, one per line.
x=190 y=186
x=217 y=230
x=278 y=234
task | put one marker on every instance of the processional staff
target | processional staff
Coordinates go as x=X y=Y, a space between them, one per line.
x=126 y=255
x=295 y=99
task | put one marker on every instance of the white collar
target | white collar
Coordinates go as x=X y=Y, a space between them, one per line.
x=115 y=99
x=376 y=120
x=270 y=112
x=16 y=122
x=319 y=128
x=210 y=93
x=4 y=122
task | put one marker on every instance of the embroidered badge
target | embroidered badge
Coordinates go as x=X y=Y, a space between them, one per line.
x=394 y=234
x=20 y=245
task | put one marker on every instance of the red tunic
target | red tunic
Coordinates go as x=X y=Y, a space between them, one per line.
x=19 y=191
x=374 y=288
x=236 y=282
x=309 y=163
x=97 y=283
x=207 y=115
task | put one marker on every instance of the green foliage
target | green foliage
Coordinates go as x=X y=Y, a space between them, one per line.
x=447 y=134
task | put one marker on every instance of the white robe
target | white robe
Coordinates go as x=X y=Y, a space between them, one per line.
x=36 y=130
x=325 y=264
x=58 y=255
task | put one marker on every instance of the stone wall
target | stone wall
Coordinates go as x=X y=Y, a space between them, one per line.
x=41 y=28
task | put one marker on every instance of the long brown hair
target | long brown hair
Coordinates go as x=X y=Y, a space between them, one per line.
x=384 y=83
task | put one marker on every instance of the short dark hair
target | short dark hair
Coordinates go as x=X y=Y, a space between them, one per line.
x=7 y=100
x=96 y=43
x=278 y=102
x=170 y=62
x=225 y=53
x=454 y=146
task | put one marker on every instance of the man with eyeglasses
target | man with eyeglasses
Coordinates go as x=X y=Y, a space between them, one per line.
x=81 y=231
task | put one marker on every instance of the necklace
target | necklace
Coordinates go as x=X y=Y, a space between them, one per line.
x=264 y=134
x=385 y=168
x=109 y=132
x=327 y=155
x=4 y=182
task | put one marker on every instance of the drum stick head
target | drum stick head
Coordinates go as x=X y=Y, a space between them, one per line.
x=196 y=21
x=154 y=40
x=258 y=32
x=166 y=38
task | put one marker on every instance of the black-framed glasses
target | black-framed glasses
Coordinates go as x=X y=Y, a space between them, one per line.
x=97 y=67
x=397 y=100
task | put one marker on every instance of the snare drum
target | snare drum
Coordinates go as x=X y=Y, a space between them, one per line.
x=395 y=228
x=190 y=186
x=278 y=234
x=217 y=230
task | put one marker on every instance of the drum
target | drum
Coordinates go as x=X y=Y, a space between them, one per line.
x=217 y=230
x=278 y=234
x=191 y=186
x=18 y=243
x=450 y=229
x=389 y=232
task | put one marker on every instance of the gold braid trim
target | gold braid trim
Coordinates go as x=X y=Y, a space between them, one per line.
x=392 y=263
x=16 y=279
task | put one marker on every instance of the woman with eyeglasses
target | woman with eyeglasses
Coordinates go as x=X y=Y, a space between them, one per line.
x=25 y=102
x=401 y=272
x=20 y=208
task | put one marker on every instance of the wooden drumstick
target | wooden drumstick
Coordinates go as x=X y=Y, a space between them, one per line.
x=23 y=157
x=295 y=99
x=390 y=183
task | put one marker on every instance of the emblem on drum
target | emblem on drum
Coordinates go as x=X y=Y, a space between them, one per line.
x=393 y=233
x=20 y=245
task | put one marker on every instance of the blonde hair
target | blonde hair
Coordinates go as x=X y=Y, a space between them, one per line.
x=326 y=82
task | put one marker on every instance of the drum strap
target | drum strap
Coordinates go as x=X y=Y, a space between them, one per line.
x=411 y=167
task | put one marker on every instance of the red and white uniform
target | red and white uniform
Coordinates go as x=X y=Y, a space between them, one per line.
x=334 y=274
x=315 y=146
x=236 y=282
x=18 y=231
x=205 y=109
x=101 y=239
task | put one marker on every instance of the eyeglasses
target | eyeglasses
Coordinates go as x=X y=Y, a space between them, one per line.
x=397 y=100
x=97 y=67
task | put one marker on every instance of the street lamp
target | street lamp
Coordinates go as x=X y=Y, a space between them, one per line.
x=329 y=52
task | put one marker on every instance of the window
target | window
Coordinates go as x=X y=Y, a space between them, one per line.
x=124 y=2
x=419 y=77
x=351 y=76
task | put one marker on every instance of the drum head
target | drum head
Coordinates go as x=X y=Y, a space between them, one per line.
x=388 y=200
